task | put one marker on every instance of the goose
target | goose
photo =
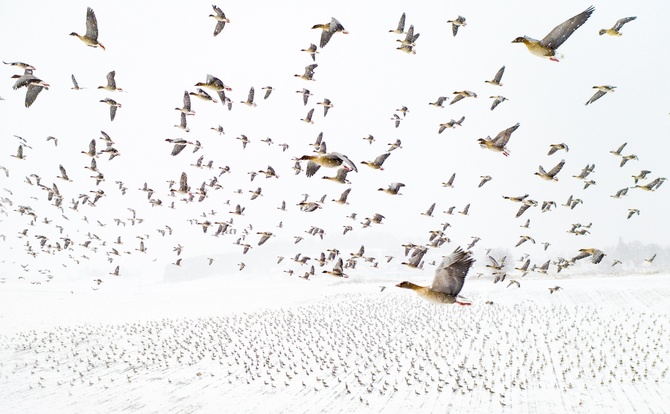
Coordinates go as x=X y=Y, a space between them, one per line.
x=337 y=271
x=451 y=124
x=616 y=29
x=308 y=119
x=650 y=186
x=377 y=163
x=485 y=179
x=91 y=150
x=524 y=239
x=499 y=143
x=343 y=197
x=20 y=65
x=186 y=109
x=393 y=188
x=268 y=90
x=602 y=90
x=429 y=212
x=250 y=98
x=396 y=120
x=200 y=93
x=557 y=147
x=551 y=175
x=497 y=100
x=311 y=50
x=448 y=282
x=215 y=84
x=179 y=145
x=497 y=78
x=595 y=254
x=547 y=46
x=340 y=176
x=450 y=183
x=305 y=95
x=409 y=41
x=309 y=72
x=643 y=174
x=393 y=145
x=617 y=152
x=626 y=158
x=63 y=173
x=19 y=155
x=461 y=95
x=401 y=26
x=75 y=85
x=91 y=36
x=182 y=122
x=265 y=236
x=113 y=105
x=220 y=18
x=456 y=23
x=330 y=160
x=111 y=83
x=588 y=169
x=33 y=84
x=622 y=192
x=269 y=172
x=439 y=102
x=327 y=104
x=632 y=212
x=524 y=268
x=183 y=186
x=328 y=30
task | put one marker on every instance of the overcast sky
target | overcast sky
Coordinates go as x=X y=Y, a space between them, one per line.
x=159 y=50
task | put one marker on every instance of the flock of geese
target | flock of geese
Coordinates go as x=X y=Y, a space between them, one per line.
x=347 y=355
x=63 y=229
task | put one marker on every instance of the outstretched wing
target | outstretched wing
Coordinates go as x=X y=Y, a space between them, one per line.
x=450 y=274
x=595 y=97
x=503 y=136
x=560 y=33
x=619 y=24
x=91 y=25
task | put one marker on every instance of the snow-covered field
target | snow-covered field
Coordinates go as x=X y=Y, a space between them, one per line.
x=237 y=344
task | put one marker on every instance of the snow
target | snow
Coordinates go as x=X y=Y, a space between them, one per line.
x=281 y=344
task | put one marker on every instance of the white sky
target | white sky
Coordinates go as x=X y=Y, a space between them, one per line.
x=159 y=50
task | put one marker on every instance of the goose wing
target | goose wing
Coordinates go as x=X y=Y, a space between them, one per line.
x=560 y=33
x=450 y=274
x=91 y=25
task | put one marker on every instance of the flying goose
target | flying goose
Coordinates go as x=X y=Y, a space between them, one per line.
x=559 y=34
x=220 y=18
x=91 y=36
x=328 y=30
x=449 y=279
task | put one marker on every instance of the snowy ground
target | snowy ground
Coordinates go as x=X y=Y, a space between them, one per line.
x=252 y=344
